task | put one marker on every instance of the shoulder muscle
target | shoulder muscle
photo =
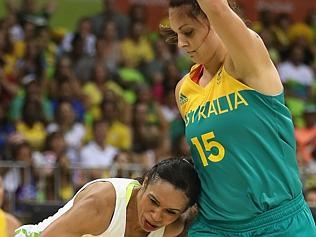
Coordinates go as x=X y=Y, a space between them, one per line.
x=96 y=202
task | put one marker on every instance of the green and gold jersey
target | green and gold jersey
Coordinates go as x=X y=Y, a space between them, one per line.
x=243 y=146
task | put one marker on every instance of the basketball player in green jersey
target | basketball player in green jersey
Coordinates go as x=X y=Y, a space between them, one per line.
x=239 y=130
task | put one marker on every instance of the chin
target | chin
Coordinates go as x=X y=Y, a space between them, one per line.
x=198 y=60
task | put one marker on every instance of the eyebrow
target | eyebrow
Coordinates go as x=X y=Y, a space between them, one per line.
x=156 y=200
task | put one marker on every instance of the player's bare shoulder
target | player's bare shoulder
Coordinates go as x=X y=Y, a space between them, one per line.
x=12 y=223
x=179 y=84
x=98 y=198
x=177 y=90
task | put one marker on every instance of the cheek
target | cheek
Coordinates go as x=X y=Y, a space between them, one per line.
x=145 y=206
x=169 y=219
x=209 y=45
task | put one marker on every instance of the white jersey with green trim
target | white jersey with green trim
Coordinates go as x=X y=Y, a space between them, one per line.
x=118 y=223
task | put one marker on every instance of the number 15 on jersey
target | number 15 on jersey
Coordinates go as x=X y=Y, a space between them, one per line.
x=208 y=143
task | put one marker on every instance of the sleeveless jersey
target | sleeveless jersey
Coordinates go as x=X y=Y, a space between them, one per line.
x=243 y=147
x=123 y=189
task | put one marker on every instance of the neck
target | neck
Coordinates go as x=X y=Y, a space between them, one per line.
x=216 y=61
x=132 y=204
x=100 y=143
x=132 y=221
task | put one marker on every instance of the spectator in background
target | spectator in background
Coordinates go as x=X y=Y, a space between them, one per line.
x=9 y=83
x=309 y=171
x=155 y=69
x=148 y=136
x=265 y=21
x=306 y=137
x=31 y=90
x=32 y=124
x=97 y=155
x=6 y=129
x=169 y=107
x=295 y=71
x=123 y=161
x=297 y=78
x=48 y=48
x=84 y=31
x=33 y=61
x=108 y=53
x=110 y=13
x=51 y=163
x=136 y=47
x=171 y=73
x=66 y=87
x=22 y=181
x=282 y=26
x=14 y=28
x=29 y=10
x=77 y=56
x=302 y=34
x=73 y=131
x=67 y=186
x=310 y=20
x=138 y=13
x=94 y=90
x=310 y=196
x=154 y=111
x=8 y=222
x=64 y=70
x=119 y=135
x=270 y=42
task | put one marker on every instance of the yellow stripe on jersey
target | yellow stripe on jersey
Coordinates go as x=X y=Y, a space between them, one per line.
x=222 y=85
x=3 y=224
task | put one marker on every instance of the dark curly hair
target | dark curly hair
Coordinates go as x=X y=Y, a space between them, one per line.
x=180 y=172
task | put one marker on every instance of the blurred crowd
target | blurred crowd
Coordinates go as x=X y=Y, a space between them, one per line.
x=80 y=103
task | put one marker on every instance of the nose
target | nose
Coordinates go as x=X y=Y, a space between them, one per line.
x=156 y=215
x=182 y=42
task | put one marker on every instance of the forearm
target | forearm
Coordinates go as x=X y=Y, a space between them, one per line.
x=224 y=20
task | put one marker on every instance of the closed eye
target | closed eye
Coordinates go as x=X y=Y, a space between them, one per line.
x=170 y=212
x=188 y=33
x=153 y=201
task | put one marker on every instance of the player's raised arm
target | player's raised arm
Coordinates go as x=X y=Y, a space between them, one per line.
x=249 y=59
x=244 y=46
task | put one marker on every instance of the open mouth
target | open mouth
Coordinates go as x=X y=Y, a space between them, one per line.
x=149 y=226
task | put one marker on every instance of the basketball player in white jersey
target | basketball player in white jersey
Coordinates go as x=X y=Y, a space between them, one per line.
x=120 y=207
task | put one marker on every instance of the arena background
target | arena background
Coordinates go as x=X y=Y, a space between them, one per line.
x=68 y=12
